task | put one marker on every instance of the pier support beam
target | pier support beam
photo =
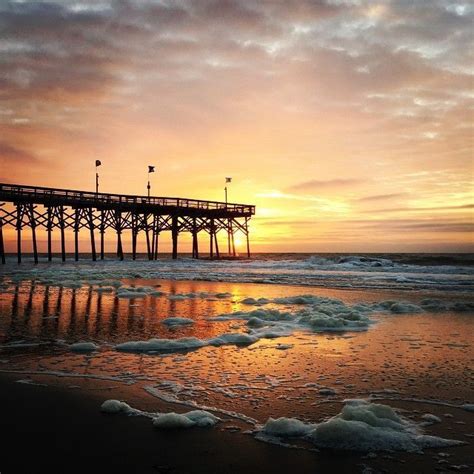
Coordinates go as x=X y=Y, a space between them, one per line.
x=31 y=210
x=195 y=240
x=2 y=245
x=134 y=236
x=19 y=216
x=118 y=228
x=211 y=239
x=91 y=229
x=247 y=237
x=102 y=232
x=233 y=244
x=62 y=226
x=77 y=218
x=147 y=235
x=155 y=250
x=49 y=228
x=174 y=236
x=217 y=246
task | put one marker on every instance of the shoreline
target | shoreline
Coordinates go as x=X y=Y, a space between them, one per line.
x=57 y=429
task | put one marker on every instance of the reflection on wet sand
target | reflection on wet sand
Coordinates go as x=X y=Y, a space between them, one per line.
x=50 y=312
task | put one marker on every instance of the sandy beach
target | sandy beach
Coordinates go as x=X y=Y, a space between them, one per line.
x=246 y=353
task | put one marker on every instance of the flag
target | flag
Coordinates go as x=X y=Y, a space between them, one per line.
x=228 y=180
x=151 y=169
x=98 y=162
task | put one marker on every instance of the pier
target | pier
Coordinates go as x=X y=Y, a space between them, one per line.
x=52 y=209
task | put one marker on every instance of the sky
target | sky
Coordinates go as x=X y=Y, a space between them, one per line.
x=349 y=124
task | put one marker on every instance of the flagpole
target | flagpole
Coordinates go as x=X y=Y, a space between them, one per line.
x=151 y=169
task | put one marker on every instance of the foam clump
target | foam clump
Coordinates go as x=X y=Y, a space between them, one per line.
x=438 y=305
x=299 y=299
x=286 y=427
x=361 y=426
x=161 y=345
x=83 y=347
x=177 y=321
x=253 y=301
x=340 y=321
x=115 y=406
x=236 y=338
x=398 y=307
x=430 y=418
x=136 y=291
x=186 y=343
x=201 y=294
x=174 y=420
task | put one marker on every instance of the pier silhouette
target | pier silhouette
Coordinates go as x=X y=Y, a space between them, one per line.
x=52 y=209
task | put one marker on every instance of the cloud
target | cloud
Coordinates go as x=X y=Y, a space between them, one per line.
x=11 y=156
x=421 y=209
x=317 y=184
x=381 y=197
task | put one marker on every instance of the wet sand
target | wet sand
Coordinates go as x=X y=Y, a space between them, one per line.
x=53 y=429
x=56 y=430
x=400 y=360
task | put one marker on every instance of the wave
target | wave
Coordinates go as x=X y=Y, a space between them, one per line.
x=336 y=271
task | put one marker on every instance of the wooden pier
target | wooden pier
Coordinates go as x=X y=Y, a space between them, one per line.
x=53 y=209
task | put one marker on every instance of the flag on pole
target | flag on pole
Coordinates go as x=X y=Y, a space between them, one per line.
x=151 y=169
x=98 y=162
x=228 y=180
